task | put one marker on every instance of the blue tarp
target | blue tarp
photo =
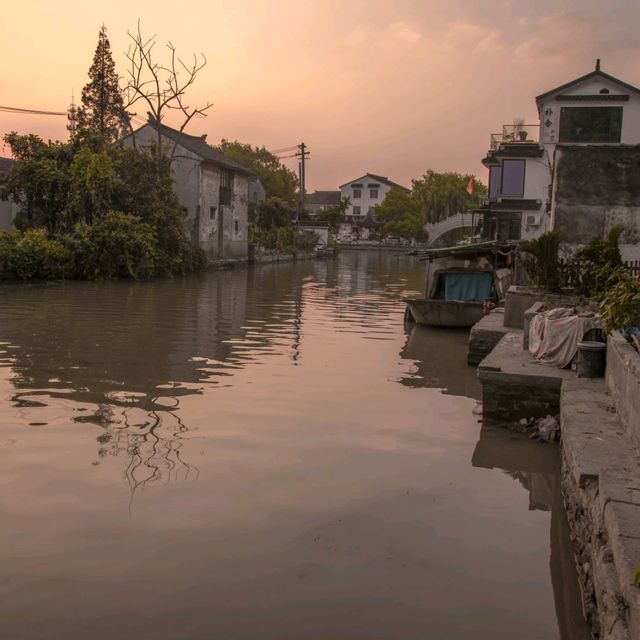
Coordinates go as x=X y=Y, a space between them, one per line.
x=467 y=286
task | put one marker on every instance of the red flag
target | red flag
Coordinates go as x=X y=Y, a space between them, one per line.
x=470 y=186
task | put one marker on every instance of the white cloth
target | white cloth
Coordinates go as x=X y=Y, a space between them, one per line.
x=554 y=335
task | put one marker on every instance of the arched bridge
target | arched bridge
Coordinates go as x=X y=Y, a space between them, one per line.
x=438 y=229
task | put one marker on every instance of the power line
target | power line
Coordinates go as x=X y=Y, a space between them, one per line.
x=36 y=112
x=283 y=150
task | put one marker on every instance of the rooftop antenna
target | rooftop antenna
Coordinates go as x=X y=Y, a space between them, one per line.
x=598 y=64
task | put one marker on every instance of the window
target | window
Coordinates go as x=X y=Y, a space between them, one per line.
x=495 y=178
x=357 y=193
x=590 y=124
x=236 y=227
x=512 y=177
x=356 y=211
x=226 y=186
x=373 y=194
x=212 y=213
x=502 y=226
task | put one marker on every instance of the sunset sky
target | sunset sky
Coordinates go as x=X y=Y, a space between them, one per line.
x=390 y=87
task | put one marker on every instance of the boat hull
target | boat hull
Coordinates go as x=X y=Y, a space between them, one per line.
x=445 y=313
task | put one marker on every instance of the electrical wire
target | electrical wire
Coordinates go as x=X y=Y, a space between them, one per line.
x=36 y=112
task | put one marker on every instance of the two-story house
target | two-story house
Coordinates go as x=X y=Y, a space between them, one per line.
x=576 y=169
x=214 y=190
x=364 y=193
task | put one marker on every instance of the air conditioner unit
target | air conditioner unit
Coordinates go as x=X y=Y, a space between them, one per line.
x=533 y=220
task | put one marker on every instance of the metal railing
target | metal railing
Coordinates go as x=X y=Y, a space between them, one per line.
x=515 y=134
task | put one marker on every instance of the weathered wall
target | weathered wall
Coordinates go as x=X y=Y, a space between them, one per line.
x=623 y=379
x=597 y=187
x=230 y=220
x=197 y=186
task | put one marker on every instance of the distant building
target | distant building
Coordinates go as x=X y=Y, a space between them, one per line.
x=213 y=189
x=577 y=169
x=364 y=194
x=320 y=200
x=8 y=208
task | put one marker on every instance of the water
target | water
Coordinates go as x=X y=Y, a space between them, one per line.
x=259 y=454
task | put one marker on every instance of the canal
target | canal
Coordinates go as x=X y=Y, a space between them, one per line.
x=267 y=453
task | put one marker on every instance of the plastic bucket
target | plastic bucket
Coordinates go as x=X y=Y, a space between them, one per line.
x=592 y=358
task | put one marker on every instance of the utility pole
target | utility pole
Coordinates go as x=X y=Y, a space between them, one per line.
x=303 y=154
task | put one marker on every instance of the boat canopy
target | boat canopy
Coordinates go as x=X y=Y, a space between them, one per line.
x=467 y=285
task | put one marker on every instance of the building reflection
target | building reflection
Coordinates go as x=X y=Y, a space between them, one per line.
x=439 y=361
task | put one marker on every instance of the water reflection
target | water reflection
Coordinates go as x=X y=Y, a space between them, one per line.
x=295 y=463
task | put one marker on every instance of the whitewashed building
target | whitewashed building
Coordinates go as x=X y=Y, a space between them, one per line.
x=364 y=193
x=565 y=170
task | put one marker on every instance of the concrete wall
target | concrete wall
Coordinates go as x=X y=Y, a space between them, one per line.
x=8 y=211
x=596 y=188
x=623 y=379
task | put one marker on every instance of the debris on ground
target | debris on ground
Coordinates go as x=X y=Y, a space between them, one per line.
x=545 y=429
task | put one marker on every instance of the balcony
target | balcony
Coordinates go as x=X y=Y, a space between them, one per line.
x=515 y=134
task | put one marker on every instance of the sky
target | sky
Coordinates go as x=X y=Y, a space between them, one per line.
x=390 y=87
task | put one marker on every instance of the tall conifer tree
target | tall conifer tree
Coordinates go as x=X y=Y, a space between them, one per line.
x=102 y=108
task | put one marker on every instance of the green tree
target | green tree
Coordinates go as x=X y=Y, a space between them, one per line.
x=102 y=109
x=402 y=215
x=445 y=194
x=335 y=215
x=277 y=180
x=67 y=186
x=39 y=181
x=274 y=212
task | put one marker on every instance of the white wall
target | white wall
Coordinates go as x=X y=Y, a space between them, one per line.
x=365 y=201
x=550 y=110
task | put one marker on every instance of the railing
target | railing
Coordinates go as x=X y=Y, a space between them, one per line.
x=515 y=134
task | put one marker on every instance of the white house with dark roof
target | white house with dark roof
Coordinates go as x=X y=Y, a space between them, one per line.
x=364 y=193
x=574 y=169
x=213 y=189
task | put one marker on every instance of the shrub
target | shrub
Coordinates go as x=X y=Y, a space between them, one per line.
x=620 y=306
x=33 y=254
x=545 y=267
x=116 y=246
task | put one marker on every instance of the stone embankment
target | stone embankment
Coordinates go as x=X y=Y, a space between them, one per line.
x=600 y=421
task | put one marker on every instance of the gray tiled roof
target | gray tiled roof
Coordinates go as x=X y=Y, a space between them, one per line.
x=324 y=197
x=199 y=146
x=382 y=179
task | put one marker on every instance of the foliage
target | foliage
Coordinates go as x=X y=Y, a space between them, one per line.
x=597 y=267
x=32 y=254
x=93 y=182
x=102 y=109
x=273 y=212
x=445 y=194
x=544 y=269
x=277 y=180
x=335 y=215
x=401 y=215
x=60 y=186
x=39 y=180
x=119 y=245
x=620 y=305
x=280 y=239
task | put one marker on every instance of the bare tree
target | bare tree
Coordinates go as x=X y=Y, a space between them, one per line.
x=161 y=87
